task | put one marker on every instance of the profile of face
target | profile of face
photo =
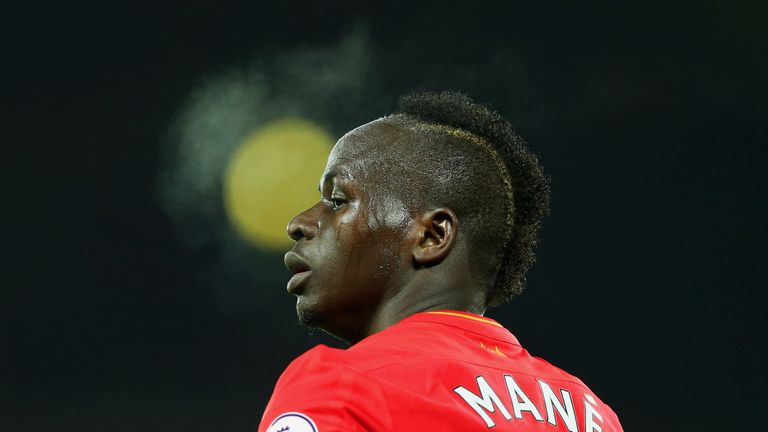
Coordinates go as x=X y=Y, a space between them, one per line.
x=351 y=252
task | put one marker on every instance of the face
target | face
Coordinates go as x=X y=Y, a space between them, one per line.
x=351 y=252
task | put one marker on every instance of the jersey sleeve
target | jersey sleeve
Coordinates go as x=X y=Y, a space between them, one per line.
x=319 y=392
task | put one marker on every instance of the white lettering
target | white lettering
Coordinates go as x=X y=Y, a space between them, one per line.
x=590 y=413
x=485 y=402
x=564 y=409
x=520 y=401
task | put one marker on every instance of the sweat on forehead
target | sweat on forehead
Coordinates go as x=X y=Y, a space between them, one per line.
x=426 y=165
x=398 y=142
x=379 y=138
x=376 y=151
x=396 y=138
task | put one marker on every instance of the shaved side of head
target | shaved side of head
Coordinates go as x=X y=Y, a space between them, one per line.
x=463 y=155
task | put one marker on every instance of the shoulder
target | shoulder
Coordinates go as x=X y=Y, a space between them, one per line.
x=321 y=388
x=343 y=389
x=318 y=360
x=321 y=370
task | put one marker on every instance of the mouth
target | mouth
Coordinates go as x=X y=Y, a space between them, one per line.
x=301 y=271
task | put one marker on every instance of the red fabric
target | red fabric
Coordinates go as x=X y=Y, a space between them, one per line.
x=411 y=377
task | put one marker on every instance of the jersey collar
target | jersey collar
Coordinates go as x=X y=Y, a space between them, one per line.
x=466 y=321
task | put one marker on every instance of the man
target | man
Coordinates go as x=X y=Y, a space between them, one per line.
x=426 y=218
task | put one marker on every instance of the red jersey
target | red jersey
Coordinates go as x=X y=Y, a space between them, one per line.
x=433 y=371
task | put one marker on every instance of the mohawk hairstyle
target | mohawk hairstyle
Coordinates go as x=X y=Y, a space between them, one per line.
x=529 y=185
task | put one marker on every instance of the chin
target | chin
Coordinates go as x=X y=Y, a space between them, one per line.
x=307 y=319
x=308 y=316
x=312 y=318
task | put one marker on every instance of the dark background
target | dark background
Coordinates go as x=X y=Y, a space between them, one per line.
x=649 y=116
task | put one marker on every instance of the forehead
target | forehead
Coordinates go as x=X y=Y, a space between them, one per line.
x=375 y=146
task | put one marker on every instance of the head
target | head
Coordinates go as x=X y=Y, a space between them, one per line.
x=436 y=206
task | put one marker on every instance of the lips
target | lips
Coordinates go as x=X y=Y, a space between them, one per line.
x=301 y=271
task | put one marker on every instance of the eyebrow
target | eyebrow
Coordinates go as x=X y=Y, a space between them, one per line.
x=328 y=177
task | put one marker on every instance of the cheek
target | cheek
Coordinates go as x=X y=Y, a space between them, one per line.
x=343 y=254
x=382 y=253
x=358 y=255
x=387 y=222
x=387 y=212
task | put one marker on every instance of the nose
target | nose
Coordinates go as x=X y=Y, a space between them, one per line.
x=303 y=225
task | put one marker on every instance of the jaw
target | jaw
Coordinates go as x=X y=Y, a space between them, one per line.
x=350 y=325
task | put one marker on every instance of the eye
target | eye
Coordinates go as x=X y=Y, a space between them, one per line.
x=337 y=202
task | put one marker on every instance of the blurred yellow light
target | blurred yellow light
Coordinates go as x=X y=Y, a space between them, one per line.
x=272 y=177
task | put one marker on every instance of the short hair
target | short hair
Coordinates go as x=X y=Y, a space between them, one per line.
x=503 y=182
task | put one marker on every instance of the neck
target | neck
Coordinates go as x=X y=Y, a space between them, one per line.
x=423 y=296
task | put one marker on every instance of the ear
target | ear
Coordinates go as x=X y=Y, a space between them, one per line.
x=436 y=234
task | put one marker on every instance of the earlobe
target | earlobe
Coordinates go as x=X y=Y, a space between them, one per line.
x=437 y=231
